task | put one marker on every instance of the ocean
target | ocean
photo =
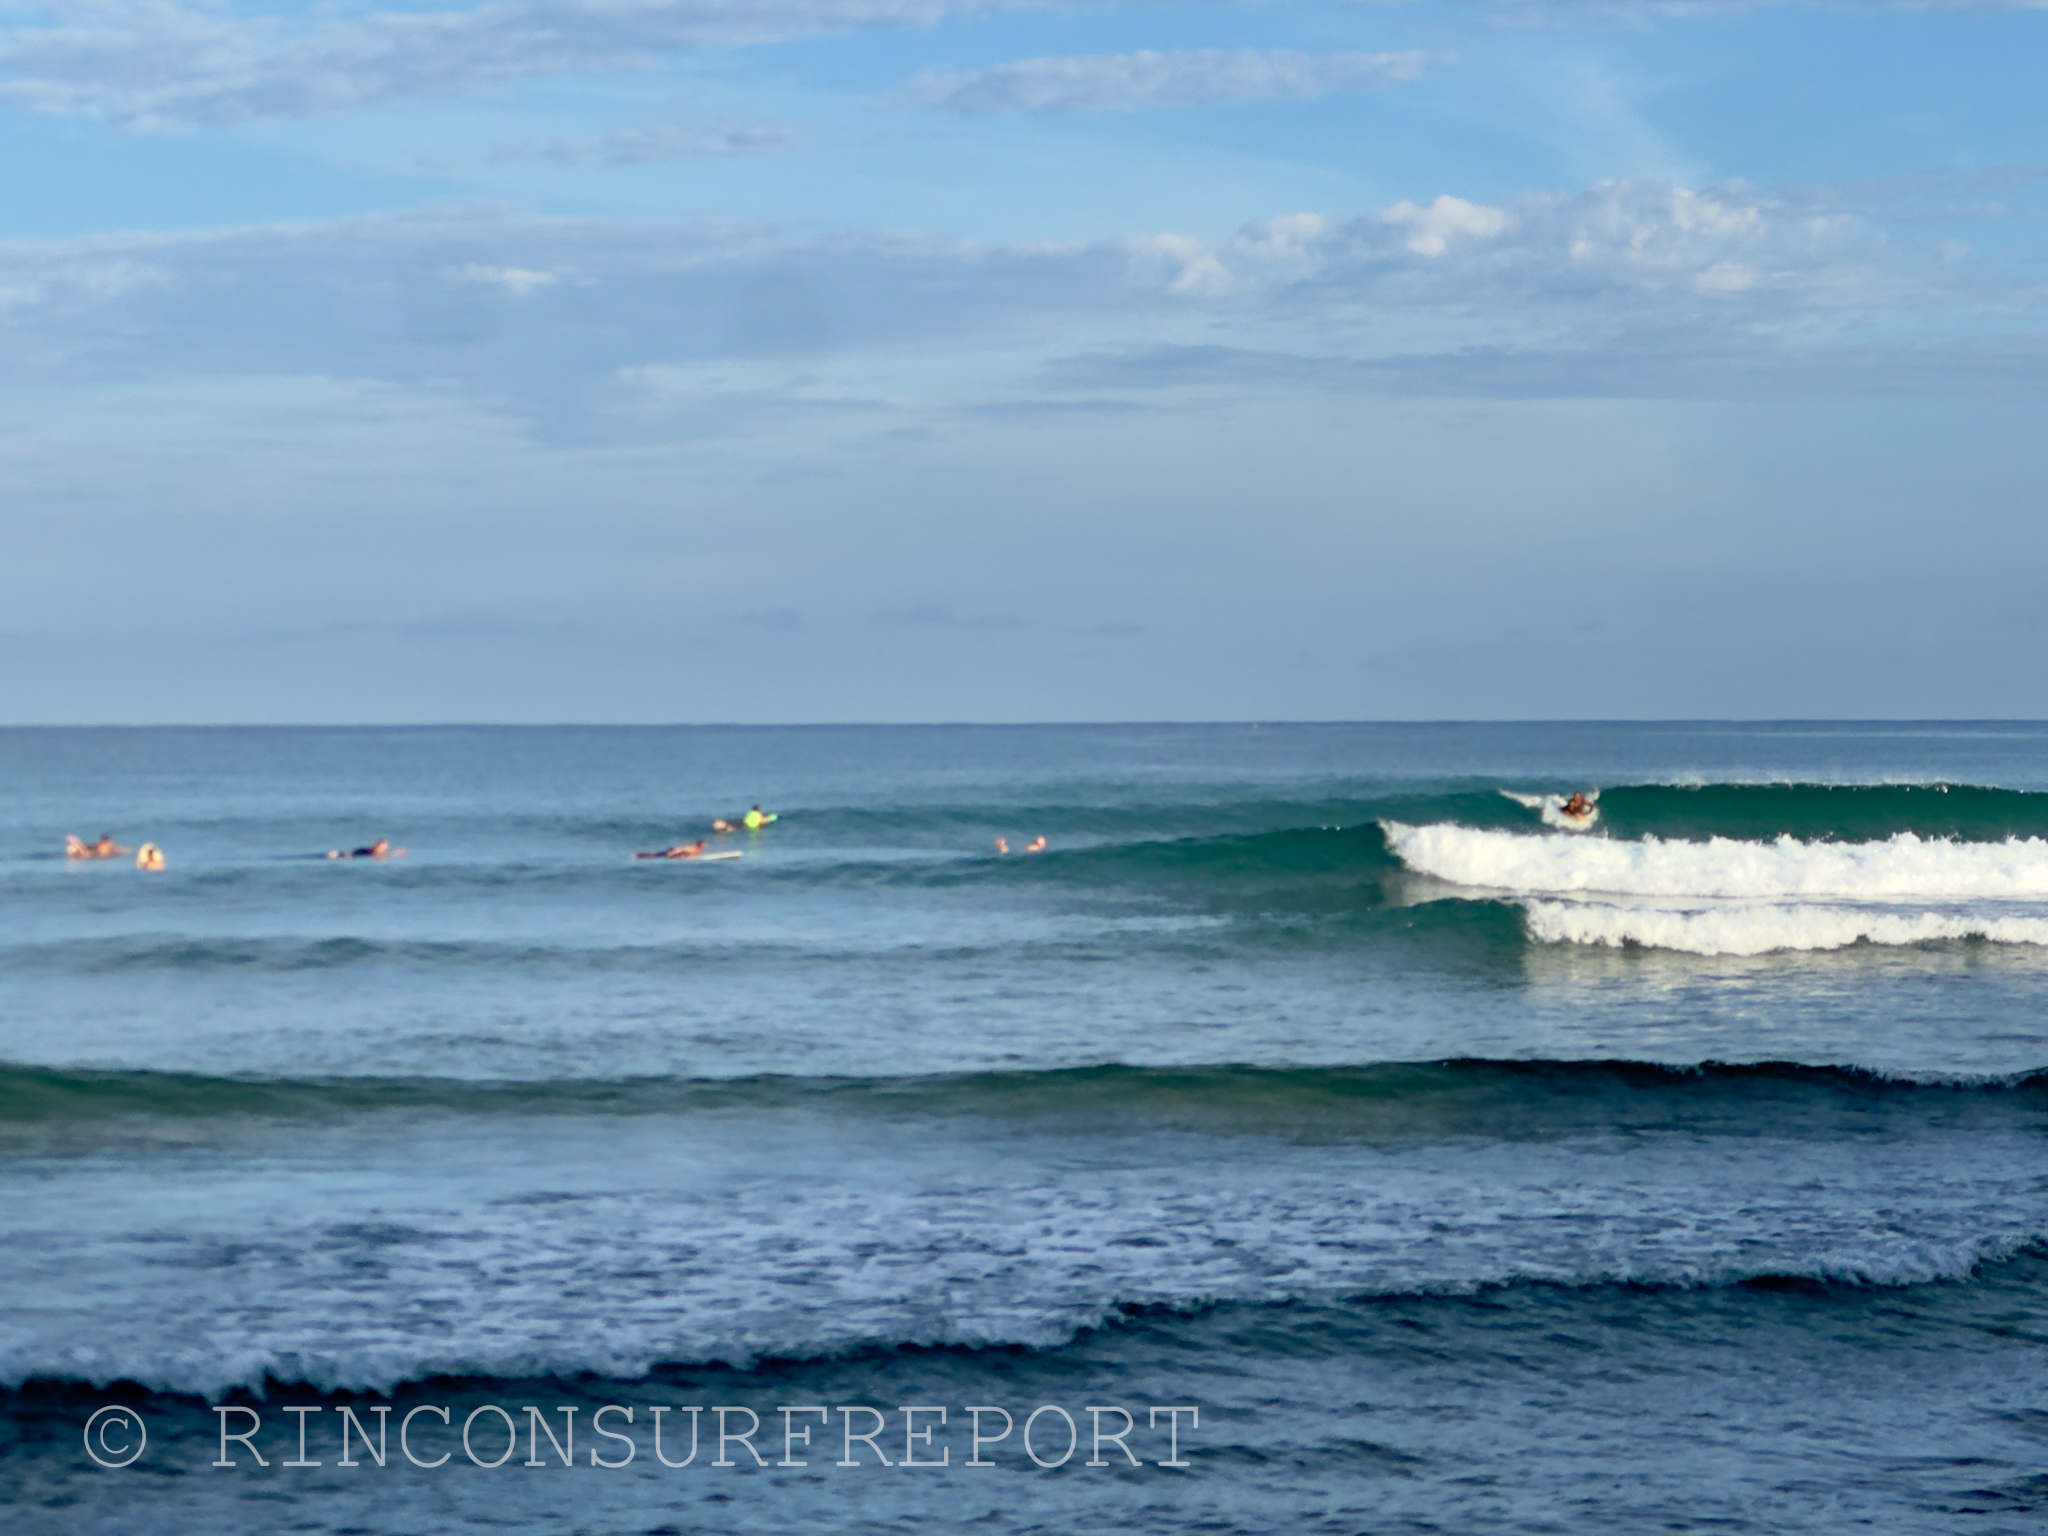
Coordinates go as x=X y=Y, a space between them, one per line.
x=1323 y=1133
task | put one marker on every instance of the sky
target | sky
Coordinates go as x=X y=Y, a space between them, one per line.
x=390 y=361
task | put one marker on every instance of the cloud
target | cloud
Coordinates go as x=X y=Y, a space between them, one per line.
x=170 y=64
x=1614 y=248
x=610 y=328
x=1445 y=220
x=156 y=64
x=664 y=141
x=1124 y=81
x=514 y=280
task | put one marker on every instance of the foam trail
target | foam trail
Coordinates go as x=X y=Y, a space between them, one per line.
x=1759 y=928
x=1902 y=867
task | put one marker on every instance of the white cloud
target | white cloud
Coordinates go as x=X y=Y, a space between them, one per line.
x=162 y=64
x=1186 y=265
x=659 y=142
x=1194 y=78
x=1433 y=228
x=1661 y=227
x=518 y=281
x=185 y=63
x=1622 y=241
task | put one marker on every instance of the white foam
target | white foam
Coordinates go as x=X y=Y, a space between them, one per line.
x=1755 y=928
x=360 y=1256
x=1901 y=868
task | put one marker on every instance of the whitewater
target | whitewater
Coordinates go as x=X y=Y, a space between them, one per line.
x=1741 y=897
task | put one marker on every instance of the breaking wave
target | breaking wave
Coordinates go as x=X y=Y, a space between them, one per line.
x=1729 y=896
x=1763 y=928
x=1904 y=866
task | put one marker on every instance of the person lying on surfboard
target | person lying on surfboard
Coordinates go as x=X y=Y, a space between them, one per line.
x=1576 y=807
x=380 y=849
x=105 y=848
x=680 y=851
x=753 y=821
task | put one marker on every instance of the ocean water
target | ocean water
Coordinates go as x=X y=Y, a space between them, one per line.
x=1449 y=1165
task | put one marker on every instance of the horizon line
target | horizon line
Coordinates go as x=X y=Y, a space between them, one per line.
x=789 y=725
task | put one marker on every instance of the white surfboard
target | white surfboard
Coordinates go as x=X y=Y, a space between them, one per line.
x=1550 y=809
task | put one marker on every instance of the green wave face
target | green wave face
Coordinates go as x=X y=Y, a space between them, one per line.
x=1810 y=812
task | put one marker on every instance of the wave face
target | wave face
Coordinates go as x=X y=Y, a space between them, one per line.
x=1382 y=1101
x=1850 y=813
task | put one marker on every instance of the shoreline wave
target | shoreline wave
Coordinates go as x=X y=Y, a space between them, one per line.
x=309 y=1373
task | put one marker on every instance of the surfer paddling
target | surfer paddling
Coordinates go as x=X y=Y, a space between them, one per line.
x=105 y=848
x=753 y=821
x=380 y=849
x=680 y=851
x=1578 y=807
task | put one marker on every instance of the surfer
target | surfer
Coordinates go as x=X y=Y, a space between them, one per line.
x=753 y=821
x=680 y=851
x=1036 y=845
x=1578 y=807
x=149 y=856
x=380 y=849
x=105 y=848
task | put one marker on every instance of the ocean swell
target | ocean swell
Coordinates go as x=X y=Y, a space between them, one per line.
x=1378 y=1100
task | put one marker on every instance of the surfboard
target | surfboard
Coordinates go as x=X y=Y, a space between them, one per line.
x=706 y=858
x=1550 y=810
